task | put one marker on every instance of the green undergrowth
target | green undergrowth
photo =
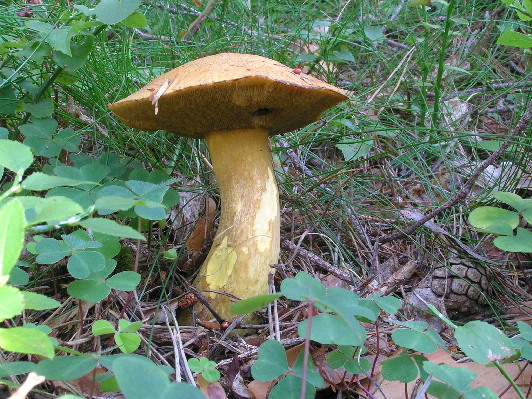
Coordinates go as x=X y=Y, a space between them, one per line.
x=79 y=190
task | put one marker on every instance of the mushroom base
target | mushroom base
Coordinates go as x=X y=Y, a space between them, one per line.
x=247 y=241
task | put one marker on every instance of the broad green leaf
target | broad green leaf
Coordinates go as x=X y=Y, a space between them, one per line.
x=389 y=304
x=8 y=100
x=82 y=263
x=26 y=340
x=521 y=242
x=111 y=204
x=357 y=366
x=127 y=342
x=50 y=251
x=459 y=378
x=112 y=228
x=374 y=33
x=139 y=378
x=271 y=362
x=68 y=139
x=495 y=220
x=91 y=291
x=484 y=343
x=4 y=133
x=78 y=54
x=401 y=368
x=15 y=368
x=40 y=109
x=313 y=377
x=15 y=156
x=42 y=128
x=302 y=287
x=330 y=329
x=527 y=215
x=336 y=359
x=43 y=147
x=11 y=302
x=150 y=210
x=111 y=12
x=12 y=227
x=59 y=39
x=124 y=281
x=354 y=150
x=35 y=301
x=515 y=39
x=290 y=388
x=55 y=210
x=102 y=327
x=39 y=181
x=415 y=340
x=128 y=326
x=211 y=375
x=253 y=304
x=136 y=20
x=525 y=330
x=514 y=200
x=83 y=198
x=17 y=276
x=346 y=304
x=65 y=368
x=80 y=240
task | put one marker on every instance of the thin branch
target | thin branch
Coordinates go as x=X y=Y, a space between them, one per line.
x=462 y=194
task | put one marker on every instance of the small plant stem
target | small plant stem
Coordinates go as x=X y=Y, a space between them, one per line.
x=441 y=66
x=509 y=379
x=377 y=350
x=306 y=353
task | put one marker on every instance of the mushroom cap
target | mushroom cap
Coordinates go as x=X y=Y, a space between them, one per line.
x=225 y=92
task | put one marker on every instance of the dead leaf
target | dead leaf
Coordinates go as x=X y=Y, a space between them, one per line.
x=204 y=227
x=260 y=389
x=212 y=390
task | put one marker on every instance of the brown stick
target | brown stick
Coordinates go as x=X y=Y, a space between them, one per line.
x=196 y=25
x=462 y=194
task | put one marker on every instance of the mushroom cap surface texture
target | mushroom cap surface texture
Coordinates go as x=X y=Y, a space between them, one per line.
x=228 y=91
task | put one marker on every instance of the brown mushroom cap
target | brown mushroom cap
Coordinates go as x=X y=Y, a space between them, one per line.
x=225 y=92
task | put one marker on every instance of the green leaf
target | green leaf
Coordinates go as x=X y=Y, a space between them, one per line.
x=15 y=156
x=150 y=210
x=56 y=210
x=35 y=301
x=415 y=340
x=111 y=12
x=102 y=327
x=136 y=20
x=65 y=368
x=401 y=368
x=357 y=366
x=290 y=388
x=302 y=287
x=389 y=304
x=127 y=342
x=39 y=181
x=26 y=340
x=253 y=304
x=514 y=200
x=374 y=33
x=271 y=362
x=91 y=291
x=211 y=375
x=124 y=281
x=51 y=251
x=82 y=263
x=459 y=378
x=40 y=109
x=494 y=220
x=330 y=329
x=515 y=39
x=484 y=343
x=8 y=100
x=16 y=368
x=346 y=304
x=110 y=204
x=128 y=326
x=354 y=150
x=110 y=227
x=313 y=377
x=336 y=359
x=525 y=330
x=59 y=39
x=521 y=242
x=11 y=302
x=80 y=239
x=42 y=128
x=12 y=230
x=68 y=140
x=78 y=54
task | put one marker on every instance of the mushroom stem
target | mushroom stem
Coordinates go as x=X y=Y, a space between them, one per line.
x=247 y=241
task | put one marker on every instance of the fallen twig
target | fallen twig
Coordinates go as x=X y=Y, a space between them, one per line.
x=462 y=194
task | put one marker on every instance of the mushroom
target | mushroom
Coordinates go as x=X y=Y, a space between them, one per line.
x=235 y=102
